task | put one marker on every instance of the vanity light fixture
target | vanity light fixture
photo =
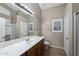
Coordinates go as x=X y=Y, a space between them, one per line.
x=25 y=8
x=29 y=10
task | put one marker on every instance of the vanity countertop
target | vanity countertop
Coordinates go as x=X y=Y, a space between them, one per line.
x=18 y=46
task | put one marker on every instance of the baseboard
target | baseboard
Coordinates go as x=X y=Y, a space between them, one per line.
x=56 y=47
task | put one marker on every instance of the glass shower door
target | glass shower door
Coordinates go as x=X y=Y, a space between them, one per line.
x=77 y=33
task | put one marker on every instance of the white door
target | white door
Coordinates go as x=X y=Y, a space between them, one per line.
x=66 y=33
x=2 y=29
x=23 y=29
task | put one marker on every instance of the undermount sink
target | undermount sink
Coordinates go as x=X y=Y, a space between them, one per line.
x=28 y=40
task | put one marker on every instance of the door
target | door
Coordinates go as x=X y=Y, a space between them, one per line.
x=2 y=29
x=23 y=29
x=66 y=33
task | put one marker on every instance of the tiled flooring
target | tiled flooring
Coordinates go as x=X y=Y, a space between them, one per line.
x=54 y=52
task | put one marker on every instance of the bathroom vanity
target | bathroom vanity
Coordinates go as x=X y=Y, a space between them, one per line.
x=36 y=50
x=23 y=47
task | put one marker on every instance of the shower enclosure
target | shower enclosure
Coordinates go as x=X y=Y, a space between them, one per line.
x=76 y=33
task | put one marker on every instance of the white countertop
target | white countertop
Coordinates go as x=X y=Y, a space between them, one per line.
x=18 y=46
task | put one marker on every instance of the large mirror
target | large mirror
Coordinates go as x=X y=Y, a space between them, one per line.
x=14 y=23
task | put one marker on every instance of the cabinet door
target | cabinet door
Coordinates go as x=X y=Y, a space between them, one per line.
x=39 y=49
x=43 y=46
x=31 y=52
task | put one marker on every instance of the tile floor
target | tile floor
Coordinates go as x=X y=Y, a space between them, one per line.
x=54 y=52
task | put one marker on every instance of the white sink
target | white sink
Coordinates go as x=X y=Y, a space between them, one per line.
x=28 y=40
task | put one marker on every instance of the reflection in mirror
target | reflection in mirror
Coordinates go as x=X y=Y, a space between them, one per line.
x=2 y=29
x=30 y=27
x=8 y=30
x=14 y=22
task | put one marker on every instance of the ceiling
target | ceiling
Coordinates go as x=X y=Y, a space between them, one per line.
x=48 y=5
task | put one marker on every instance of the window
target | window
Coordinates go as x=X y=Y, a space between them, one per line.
x=57 y=25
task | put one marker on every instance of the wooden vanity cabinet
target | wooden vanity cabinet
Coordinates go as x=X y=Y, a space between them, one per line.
x=32 y=51
x=39 y=49
x=36 y=50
